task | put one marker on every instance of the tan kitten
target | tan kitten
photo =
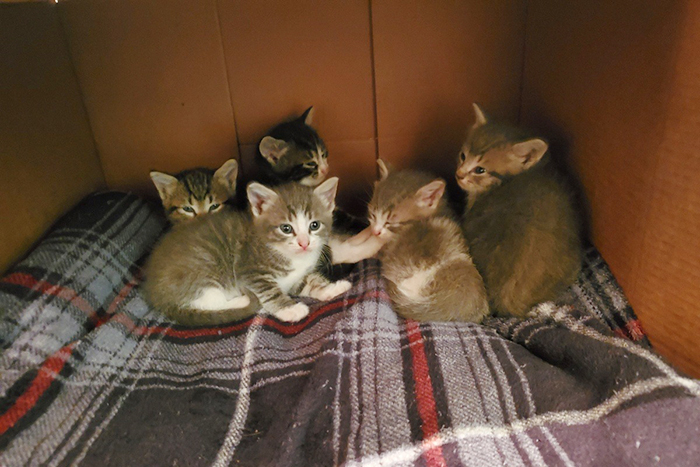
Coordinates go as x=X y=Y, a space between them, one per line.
x=212 y=270
x=522 y=229
x=195 y=192
x=429 y=273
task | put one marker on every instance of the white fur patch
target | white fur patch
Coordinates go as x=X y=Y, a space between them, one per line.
x=214 y=299
x=302 y=261
x=413 y=286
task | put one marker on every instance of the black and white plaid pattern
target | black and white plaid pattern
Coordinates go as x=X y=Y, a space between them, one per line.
x=92 y=376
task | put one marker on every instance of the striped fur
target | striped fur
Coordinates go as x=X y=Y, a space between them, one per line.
x=200 y=271
x=293 y=152
x=196 y=192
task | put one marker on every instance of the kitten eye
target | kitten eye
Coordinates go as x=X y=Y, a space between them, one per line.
x=311 y=165
x=214 y=207
x=479 y=170
x=286 y=229
x=314 y=226
x=189 y=209
x=462 y=157
x=324 y=155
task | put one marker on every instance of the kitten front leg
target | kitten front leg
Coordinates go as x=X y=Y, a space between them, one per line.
x=362 y=246
x=278 y=303
x=318 y=287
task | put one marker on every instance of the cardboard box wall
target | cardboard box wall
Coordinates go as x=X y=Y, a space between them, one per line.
x=95 y=93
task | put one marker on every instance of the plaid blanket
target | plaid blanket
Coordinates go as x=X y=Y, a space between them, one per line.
x=91 y=376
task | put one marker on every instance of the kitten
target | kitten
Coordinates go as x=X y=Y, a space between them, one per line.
x=425 y=261
x=214 y=269
x=293 y=152
x=520 y=223
x=194 y=192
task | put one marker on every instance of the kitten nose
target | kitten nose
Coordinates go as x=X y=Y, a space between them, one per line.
x=377 y=230
x=303 y=242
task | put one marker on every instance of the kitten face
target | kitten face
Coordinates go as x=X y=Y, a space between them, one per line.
x=401 y=197
x=492 y=153
x=196 y=192
x=293 y=152
x=294 y=220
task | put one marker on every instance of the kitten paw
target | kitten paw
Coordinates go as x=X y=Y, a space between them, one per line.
x=331 y=290
x=293 y=313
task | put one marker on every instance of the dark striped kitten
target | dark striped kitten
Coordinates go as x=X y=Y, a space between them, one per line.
x=195 y=192
x=520 y=223
x=293 y=152
x=215 y=269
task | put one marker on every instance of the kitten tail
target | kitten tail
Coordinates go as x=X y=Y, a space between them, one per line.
x=456 y=293
x=192 y=317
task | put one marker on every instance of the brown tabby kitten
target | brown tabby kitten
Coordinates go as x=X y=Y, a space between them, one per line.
x=195 y=192
x=211 y=270
x=429 y=273
x=520 y=223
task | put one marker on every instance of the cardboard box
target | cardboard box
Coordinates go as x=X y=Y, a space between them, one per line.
x=97 y=93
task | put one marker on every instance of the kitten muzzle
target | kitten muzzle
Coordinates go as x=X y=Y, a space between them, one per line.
x=303 y=242
x=462 y=180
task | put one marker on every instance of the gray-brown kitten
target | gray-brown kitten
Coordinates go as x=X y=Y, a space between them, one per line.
x=195 y=192
x=425 y=261
x=213 y=270
x=520 y=222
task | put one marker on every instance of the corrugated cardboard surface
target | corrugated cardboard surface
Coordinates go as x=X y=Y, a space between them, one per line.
x=155 y=85
x=617 y=82
x=47 y=156
x=283 y=57
x=432 y=60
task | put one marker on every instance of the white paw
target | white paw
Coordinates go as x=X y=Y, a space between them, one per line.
x=332 y=290
x=293 y=313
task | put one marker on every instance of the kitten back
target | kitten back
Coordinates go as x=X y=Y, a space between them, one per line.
x=520 y=222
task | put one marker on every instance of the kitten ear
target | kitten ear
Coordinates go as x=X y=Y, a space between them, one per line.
x=383 y=170
x=273 y=149
x=165 y=184
x=529 y=153
x=326 y=192
x=480 y=115
x=226 y=175
x=308 y=116
x=261 y=198
x=429 y=196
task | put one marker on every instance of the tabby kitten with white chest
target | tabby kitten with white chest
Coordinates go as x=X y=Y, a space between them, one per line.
x=293 y=152
x=425 y=262
x=214 y=269
x=520 y=222
x=195 y=192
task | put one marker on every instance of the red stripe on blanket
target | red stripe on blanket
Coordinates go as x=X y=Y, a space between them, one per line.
x=46 y=288
x=285 y=328
x=121 y=296
x=24 y=403
x=424 y=394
